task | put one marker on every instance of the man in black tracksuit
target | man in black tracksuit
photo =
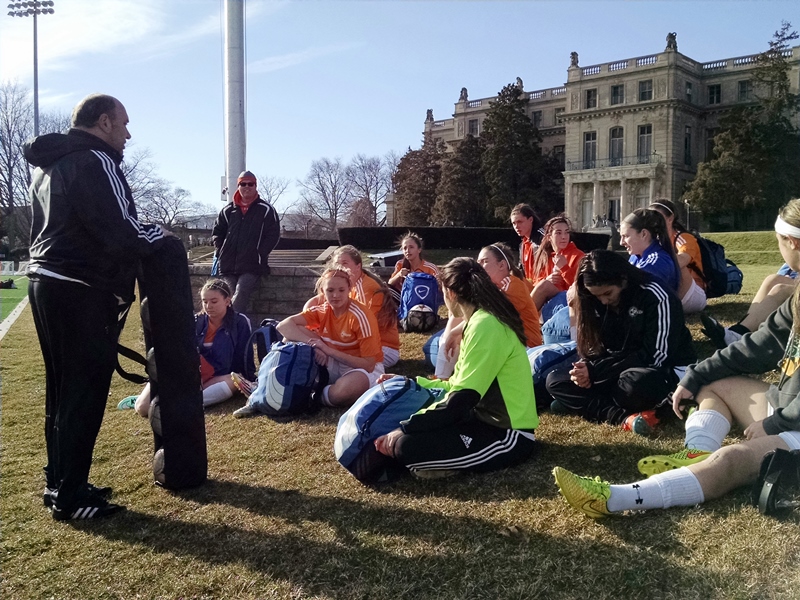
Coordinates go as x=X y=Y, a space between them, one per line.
x=245 y=232
x=86 y=243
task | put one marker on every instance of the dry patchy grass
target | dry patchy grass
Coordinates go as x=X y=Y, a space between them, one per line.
x=279 y=518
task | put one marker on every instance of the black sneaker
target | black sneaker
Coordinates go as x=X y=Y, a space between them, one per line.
x=49 y=495
x=91 y=506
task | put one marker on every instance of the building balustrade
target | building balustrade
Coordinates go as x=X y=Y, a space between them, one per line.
x=644 y=61
x=559 y=91
x=604 y=163
x=474 y=103
x=590 y=70
x=618 y=66
x=536 y=95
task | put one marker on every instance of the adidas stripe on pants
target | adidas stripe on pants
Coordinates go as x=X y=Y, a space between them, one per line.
x=472 y=446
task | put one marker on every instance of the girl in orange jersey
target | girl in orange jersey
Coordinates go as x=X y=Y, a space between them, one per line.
x=556 y=262
x=498 y=261
x=372 y=292
x=411 y=246
x=345 y=334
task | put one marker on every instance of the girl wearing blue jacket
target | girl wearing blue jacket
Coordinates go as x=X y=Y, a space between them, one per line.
x=221 y=335
x=643 y=233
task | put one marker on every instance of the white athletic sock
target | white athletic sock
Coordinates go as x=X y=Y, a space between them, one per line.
x=214 y=394
x=325 y=399
x=731 y=336
x=671 y=488
x=705 y=430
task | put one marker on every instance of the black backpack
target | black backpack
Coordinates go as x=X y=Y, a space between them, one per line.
x=258 y=346
x=721 y=275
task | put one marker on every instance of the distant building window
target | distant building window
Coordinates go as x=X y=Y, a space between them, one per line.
x=536 y=117
x=617 y=94
x=472 y=127
x=689 y=92
x=589 y=149
x=591 y=98
x=558 y=151
x=711 y=133
x=644 y=146
x=745 y=90
x=715 y=94
x=615 y=146
x=559 y=112
x=687 y=146
x=645 y=90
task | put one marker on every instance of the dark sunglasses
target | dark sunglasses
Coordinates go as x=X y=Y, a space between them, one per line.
x=246 y=184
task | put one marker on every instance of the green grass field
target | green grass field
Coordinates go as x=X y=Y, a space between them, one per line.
x=279 y=518
x=10 y=298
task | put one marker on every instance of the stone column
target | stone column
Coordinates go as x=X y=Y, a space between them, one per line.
x=624 y=209
x=652 y=190
x=597 y=199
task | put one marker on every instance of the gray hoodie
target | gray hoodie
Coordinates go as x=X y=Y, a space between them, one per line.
x=771 y=346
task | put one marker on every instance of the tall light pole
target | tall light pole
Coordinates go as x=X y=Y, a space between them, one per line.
x=33 y=9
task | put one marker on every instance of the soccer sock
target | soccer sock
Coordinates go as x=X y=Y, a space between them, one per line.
x=731 y=336
x=326 y=401
x=705 y=430
x=671 y=488
x=214 y=394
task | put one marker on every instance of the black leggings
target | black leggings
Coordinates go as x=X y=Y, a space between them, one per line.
x=472 y=446
x=637 y=389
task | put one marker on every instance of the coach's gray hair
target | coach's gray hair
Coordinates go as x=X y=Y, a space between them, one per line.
x=89 y=110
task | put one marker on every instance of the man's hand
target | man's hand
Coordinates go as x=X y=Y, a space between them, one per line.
x=678 y=396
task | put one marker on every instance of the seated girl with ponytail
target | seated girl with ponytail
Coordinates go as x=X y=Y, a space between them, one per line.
x=372 y=292
x=344 y=333
x=221 y=336
x=644 y=235
x=487 y=418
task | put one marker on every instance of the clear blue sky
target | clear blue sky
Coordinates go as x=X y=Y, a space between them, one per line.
x=336 y=78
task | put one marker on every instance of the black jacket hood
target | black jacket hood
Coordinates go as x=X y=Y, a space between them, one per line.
x=44 y=150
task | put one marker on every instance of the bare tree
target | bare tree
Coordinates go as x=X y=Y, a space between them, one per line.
x=370 y=180
x=326 y=192
x=272 y=188
x=16 y=126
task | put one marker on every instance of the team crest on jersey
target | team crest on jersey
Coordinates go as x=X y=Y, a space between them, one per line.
x=791 y=358
x=633 y=311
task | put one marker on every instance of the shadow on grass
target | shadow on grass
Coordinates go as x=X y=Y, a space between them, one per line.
x=345 y=548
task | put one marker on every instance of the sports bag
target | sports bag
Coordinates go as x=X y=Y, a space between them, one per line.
x=545 y=359
x=258 y=345
x=419 y=303
x=287 y=378
x=778 y=486
x=721 y=275
x=378 y=411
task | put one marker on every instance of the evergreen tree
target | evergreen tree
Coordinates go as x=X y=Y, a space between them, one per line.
x=756 y=154
x=461 y=198
x=513 y=164
x=415 y=182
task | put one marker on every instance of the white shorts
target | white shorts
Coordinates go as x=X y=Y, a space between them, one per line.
x=390 y=356
x=694 y=300
x=792 y=438
x=338 y=369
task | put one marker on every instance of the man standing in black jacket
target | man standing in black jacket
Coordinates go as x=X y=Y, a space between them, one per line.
x=86 y=242
x=245 y=232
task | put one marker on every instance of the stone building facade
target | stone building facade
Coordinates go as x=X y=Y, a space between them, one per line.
x=630 y=130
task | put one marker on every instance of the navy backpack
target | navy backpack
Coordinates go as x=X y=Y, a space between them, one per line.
x=721 y=275
x=258 y=345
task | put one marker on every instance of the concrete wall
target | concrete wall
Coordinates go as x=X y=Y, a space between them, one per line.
x=280 y=295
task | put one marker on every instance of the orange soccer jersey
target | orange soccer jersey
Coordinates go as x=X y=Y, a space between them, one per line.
x=425 y=267
x=517 y=293
x=568 y=273
x=355 y=332
x=527 y=252
x=368 y=292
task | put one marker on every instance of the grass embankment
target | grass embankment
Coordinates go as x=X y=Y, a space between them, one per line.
x=279 y=518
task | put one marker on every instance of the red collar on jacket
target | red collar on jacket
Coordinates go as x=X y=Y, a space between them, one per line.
x=238 y=201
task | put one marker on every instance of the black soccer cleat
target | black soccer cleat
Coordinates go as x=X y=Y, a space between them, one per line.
x=90 y=507
x=49 y=495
